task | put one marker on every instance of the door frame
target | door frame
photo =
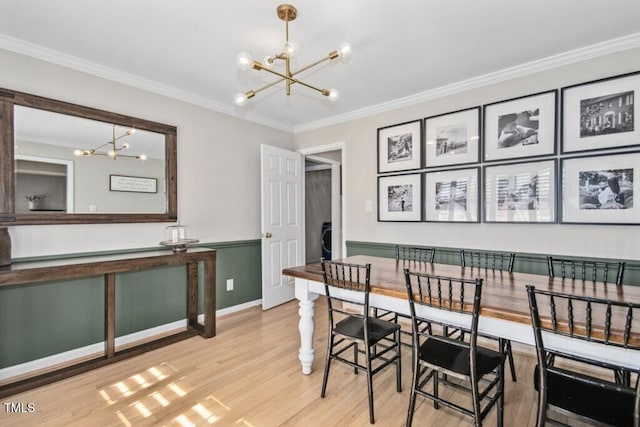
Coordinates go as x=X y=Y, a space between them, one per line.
x=337 y=235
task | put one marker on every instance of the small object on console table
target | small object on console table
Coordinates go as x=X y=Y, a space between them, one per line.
x=178 y=237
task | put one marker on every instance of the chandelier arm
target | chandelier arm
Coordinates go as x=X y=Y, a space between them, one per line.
x=105 y=144
x=292 y=80
x=269 y=85
x=320 y=61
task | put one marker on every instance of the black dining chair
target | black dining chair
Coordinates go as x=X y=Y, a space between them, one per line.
x=477 y=370
x=408 y=256
x=603 y=272
x=357 y=332
x=576 y=389
x=487 y=260
x=596 y=271
x=492 y=261
x=415 y=254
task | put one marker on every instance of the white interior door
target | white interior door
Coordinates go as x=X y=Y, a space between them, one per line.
x=282 y=221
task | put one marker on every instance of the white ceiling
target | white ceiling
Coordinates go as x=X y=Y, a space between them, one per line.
x=403 y=50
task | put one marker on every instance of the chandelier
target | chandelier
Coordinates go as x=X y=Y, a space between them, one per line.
x=114 y=150
x=287 y=13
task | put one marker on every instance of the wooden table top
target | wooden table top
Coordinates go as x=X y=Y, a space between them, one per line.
x=504 y=294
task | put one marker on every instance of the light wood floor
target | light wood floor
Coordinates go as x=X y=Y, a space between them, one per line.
x=248 y=375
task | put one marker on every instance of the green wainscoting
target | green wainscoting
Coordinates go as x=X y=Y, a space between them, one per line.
x=525 y=262
x=48 y=318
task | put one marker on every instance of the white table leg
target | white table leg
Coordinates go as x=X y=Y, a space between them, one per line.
x=306 y=325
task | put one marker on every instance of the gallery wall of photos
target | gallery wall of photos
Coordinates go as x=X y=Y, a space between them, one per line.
x=566 y=156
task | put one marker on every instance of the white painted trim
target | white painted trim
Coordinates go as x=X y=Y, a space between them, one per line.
x=324 y=160
x=314 y=168
x=235 y=308
x=94 y=350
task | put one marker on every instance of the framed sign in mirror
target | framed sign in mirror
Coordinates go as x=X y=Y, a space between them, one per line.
x=67 y=153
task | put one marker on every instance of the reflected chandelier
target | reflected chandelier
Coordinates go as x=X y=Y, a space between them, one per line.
x=115 y=150
x=287 y=13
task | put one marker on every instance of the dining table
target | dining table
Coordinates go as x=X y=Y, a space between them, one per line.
x=504 y=308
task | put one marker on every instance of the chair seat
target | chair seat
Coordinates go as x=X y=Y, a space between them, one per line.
x=448 y=354
x=583 y=395
x=353 y=327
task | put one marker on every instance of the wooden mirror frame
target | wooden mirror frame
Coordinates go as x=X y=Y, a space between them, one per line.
x=8 y=216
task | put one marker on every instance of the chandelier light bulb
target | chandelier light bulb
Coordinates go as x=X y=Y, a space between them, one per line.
x=111 y=153
x=269 y=61
x=130 y=132
x=125 y=145
x=345 y=50
x=290 y=48
x=244 y=61
x=78 y=152
x=142 y=157
x=240 y=99
x=333 y=95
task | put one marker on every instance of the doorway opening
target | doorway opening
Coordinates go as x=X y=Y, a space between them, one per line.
x=323 y=216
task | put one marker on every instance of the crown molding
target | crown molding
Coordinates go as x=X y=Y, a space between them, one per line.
x=593 y=51
x=55 y=57
x=69 y=61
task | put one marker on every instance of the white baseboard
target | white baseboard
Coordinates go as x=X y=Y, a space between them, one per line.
x=97 y=349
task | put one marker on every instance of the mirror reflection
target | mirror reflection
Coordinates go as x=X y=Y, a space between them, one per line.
x=70 y=164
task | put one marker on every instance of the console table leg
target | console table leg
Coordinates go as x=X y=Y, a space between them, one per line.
x=110 y=314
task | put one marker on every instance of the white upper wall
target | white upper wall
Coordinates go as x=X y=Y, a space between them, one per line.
x=218 y=163
x=360 y=172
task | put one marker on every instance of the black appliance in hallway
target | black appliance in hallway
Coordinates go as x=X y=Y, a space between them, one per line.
x=326 y=240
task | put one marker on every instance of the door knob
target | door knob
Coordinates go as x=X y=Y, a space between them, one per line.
x=268 y=235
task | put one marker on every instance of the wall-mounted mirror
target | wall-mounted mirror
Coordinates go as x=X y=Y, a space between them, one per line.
x=66 y=163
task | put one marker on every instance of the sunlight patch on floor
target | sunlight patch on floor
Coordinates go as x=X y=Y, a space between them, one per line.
x=156 y=388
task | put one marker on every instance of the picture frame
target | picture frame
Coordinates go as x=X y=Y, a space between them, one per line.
x=400 y=147
x=599 y=189
x=452 y=195
x=453 y=138
x=133 y=184
x=601 y=114
x=523 y=192
x=523 y=127
x=400 y=197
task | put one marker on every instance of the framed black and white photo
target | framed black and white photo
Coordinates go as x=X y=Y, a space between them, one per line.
x=601 y=114
x=453 y=138
x=599 y=189
x=521 y=127
x=521 y=192
x=400 y=147
x=452 y=195
x=400 y=197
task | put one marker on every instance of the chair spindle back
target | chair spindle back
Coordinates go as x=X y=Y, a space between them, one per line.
x=597 y=271
x=487 y=260
x=416 y=254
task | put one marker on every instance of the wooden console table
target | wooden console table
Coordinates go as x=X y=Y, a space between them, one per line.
x=22 y=273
